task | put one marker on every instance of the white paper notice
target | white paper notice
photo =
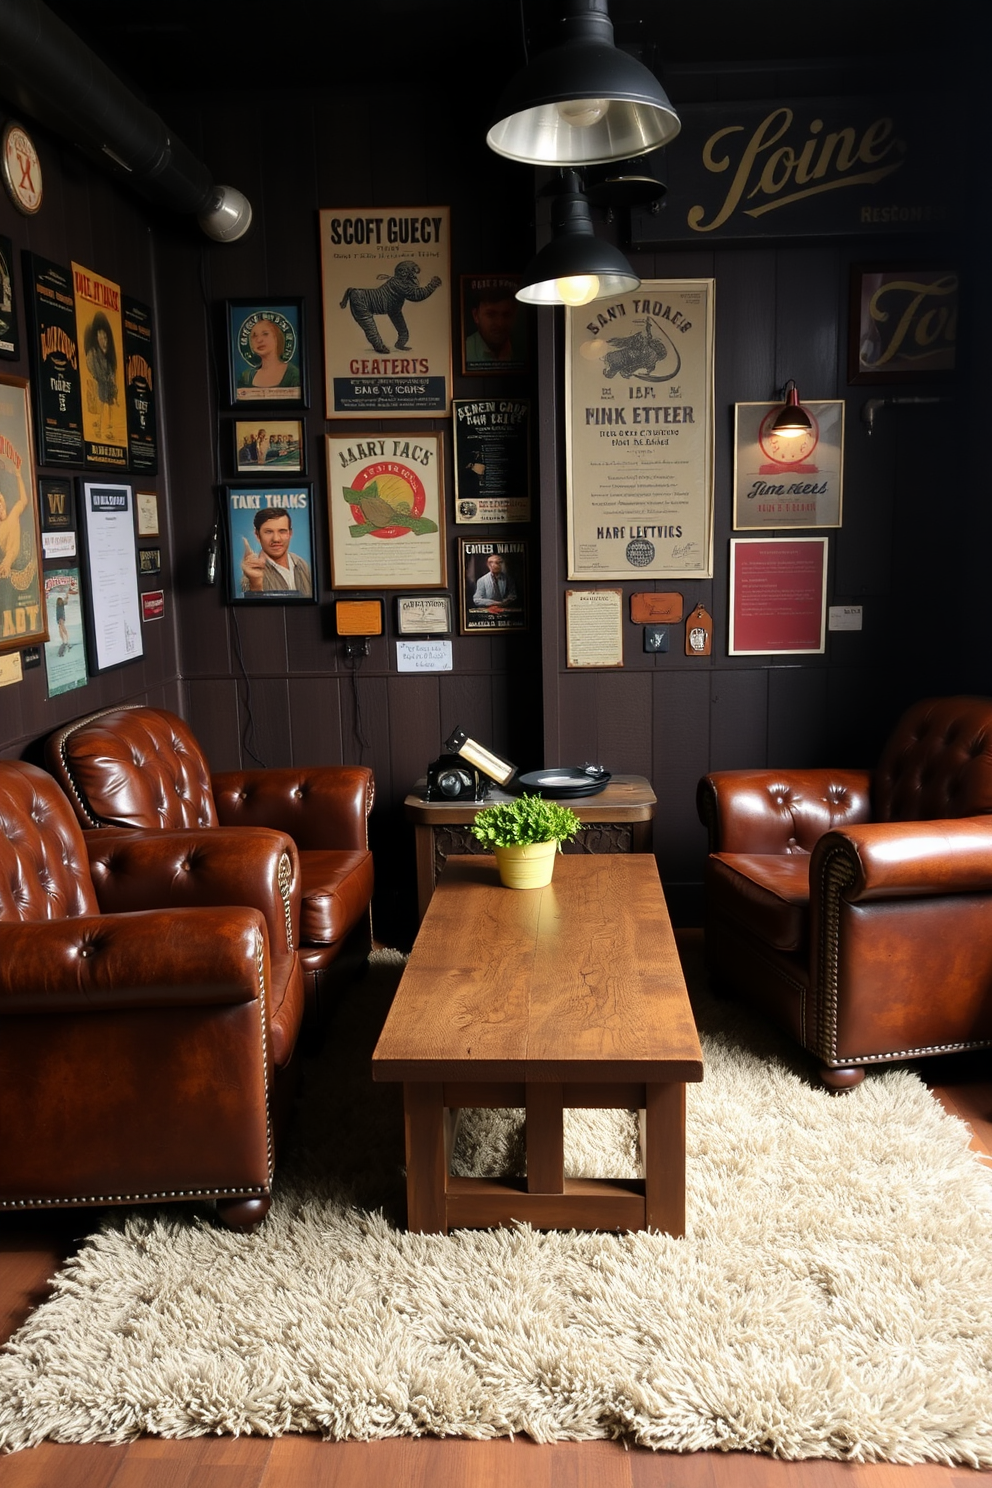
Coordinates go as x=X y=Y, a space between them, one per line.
x=423 y=656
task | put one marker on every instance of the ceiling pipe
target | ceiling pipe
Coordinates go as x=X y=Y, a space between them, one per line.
x=50 y=74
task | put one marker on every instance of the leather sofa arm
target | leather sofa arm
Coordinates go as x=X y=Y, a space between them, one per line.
x=779 y=811
x=899 y=860
x=320 y=806
x=158 y=959
x=134 y=869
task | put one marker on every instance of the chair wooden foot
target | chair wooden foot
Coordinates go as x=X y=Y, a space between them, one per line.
x=841 y=1078
x=243 y=1215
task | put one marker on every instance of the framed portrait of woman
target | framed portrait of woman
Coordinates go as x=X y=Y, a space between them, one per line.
x=266 y=353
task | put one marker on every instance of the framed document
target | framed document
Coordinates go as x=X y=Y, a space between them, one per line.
x=778 y=596
x=639 y=433
x=386 y=512
x=492 y=460
x=794 y=482
x=386 y=278
x=594 y=627
x=423 y=614
x=111 y=587
x=270 y=544
x=22 y=608
x=266 y=353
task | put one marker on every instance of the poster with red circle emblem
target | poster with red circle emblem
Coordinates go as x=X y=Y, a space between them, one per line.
x=386 y=511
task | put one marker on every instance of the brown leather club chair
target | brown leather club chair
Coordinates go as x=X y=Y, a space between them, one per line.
x=854 y=907
x=146 y=1027
x=143 y=767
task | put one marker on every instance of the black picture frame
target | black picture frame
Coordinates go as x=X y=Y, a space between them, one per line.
x=286 y=346
x=284 y=452
x=108 y=557
x=485 y=616
x=10 y=346
x=242 y=503
x=902 y=324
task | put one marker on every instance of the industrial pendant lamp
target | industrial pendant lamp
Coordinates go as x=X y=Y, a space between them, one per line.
x=583 y=100
x=793 y=419
x=576 y=266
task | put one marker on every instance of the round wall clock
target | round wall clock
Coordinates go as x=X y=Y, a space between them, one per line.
x=21 y=169
x=787 y=450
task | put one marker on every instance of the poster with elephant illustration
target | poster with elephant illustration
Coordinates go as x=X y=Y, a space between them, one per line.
x=386 y=280
x=639 y=433
x=386 y=511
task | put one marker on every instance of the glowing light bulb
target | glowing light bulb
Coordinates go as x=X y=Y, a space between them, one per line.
x=578 y=289
x=582 y=113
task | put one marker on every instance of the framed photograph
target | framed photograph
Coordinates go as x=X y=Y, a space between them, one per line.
x=269 y=445
x=266 y=353
x=65 y=653
x=9 y=342
x=423 y=614
x=495 y=325
x=270 y=544
x=778 y=596
x=492 y=585
x=904 y=323
x=22 y=606
x=639 y=433
x=113 y=609
x=100 y=338
x=492 y=460
x=796 y=482
x=386 y=280
x=55 y=361
x=386 y=511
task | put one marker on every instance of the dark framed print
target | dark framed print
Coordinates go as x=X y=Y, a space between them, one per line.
x=140 y=386
x=55 y=360
x=492 y=585
x=266 y=353
x=113 y=610
x=495 y=325
x=9 y=345
x=268 y=445
x=22 y=609
x=491 y=439
x=270 y=544
x=903 y=324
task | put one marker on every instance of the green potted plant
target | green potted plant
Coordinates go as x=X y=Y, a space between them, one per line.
x=525 y=834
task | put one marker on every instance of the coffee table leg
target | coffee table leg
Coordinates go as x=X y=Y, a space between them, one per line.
x=545 y=1134
x=426 y=1158
x=663 y=1153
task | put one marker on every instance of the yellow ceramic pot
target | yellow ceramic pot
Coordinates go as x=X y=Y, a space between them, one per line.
x=526 y=867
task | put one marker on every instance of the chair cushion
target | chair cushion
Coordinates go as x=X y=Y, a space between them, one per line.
x=767 y=895
x=337 y=888
x=287 y=998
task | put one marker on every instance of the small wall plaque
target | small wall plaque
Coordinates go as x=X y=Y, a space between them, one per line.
x=656 y=609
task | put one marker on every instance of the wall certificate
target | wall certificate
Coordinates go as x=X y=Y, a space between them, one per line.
x=639 y=433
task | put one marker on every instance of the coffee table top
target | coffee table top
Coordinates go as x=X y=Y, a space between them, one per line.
x=626 y=798
x=579 y=981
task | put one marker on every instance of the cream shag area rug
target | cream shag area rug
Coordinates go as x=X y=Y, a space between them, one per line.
x=832 y=1297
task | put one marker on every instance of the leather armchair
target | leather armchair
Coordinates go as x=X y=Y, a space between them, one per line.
x=143 y=767
x=854 y=908
x=146 y=1026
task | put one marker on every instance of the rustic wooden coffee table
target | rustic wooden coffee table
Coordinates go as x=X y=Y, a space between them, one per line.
x=569 y=996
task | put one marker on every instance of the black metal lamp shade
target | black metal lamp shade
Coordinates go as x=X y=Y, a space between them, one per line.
x=576 y=267
x=793 y=419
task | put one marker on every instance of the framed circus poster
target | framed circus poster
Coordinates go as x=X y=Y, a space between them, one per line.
x=386 y=511
x=266 y=353
x=639 y=433
x=22 y=609
x=386 y=279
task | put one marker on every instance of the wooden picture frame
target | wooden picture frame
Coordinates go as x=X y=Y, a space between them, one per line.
x=270 y=544
x=23 y=620
x=385 y=499
x=263 y=448
x=266 y=352
x=903 y=323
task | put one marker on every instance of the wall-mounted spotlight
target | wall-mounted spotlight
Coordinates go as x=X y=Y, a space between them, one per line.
x=793 y=419
x=583 y=100
x=576 y=266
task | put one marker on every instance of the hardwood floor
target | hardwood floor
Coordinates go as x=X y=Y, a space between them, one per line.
x=32 y=1246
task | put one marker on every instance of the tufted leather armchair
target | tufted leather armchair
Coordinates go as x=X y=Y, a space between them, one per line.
x=146 y=1027
x=854 y=908
x=142 y=767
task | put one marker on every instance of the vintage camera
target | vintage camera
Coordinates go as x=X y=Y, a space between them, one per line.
x=450 y=778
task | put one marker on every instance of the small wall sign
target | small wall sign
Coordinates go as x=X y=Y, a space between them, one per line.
x=21 y=169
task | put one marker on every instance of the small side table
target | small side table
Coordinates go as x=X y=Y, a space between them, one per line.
x=618 y=819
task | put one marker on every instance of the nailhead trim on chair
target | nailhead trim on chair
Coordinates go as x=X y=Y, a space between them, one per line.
x=285 y=877
x=838 y=873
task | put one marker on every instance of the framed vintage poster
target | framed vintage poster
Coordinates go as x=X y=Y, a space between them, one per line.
x=788 y=482
x=492 y=585
x=904 y=323
x=100 y=338
x=270 y=544
x=65 y=652
x=386 y=511
x=111 y=575
x=264 y=446
x=22 y=608
x=55 y=361
x=266 y=353
x=9 y=341
x=386 y=280
x=778 y=596
x=492 y=459
x=639 y=433
x=495 y=325
x=140 y=387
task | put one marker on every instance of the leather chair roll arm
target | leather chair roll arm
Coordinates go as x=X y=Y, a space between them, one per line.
x=318 y=806
x=894 y=860
x=134 y=869
x=778 y=812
